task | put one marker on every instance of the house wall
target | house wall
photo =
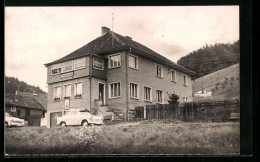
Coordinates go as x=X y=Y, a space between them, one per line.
x=117 y=75
x=102 y=74
x=145 y=75
x=77 y=73
x=14 y=113
x=75 y=103
x=36 y=113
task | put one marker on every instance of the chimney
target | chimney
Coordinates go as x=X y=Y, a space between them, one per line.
x=104 y=30
x=34 y=94
x=128 y=37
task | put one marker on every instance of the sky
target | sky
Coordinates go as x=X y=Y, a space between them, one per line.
x=35 y=36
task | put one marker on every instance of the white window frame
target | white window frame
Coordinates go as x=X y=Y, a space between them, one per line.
x=137 y=90
x=161 y=71
x=109 y=58
x=158 y=96
x=65 y=90
x=185 y=99
x=63 y=66
x=75 y=89
x=98 y=63
x=185 y=81
x=175 y=76
x=55 y=93
x=83 y=62
x=52 y=68
x=109 y=90
x=150 y=94
x=136 y=63
x=13 y=108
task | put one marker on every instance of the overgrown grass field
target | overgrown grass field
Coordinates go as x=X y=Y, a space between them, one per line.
x=127 y=138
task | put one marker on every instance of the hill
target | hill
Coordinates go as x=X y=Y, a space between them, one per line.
x=224 y=84
x=12 y=84
x=211 y=58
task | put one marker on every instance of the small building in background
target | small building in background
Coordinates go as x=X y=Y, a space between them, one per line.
x=28 y=106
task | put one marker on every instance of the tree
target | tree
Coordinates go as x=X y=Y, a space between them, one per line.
x=173 y=99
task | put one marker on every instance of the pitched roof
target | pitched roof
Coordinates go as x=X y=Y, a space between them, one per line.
x=41 y=98
x=22 y=101
x=103 y=44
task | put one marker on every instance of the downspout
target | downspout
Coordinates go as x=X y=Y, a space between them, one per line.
x=90 y=79
x=127 y=89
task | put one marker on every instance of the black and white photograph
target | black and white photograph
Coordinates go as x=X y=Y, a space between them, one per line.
x=122 y=80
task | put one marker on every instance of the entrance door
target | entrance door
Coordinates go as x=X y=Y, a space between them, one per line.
x=101 y=93
x=53 y=116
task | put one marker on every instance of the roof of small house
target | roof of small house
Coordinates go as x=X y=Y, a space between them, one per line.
x=103 y=44
x=21 y=100
x=40 y=97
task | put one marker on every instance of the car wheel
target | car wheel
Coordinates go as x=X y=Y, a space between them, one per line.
x=6 y=124
x=84 y=123
x=63 y=124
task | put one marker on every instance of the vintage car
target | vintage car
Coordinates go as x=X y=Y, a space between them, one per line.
x=79 y=117
x=12 y=121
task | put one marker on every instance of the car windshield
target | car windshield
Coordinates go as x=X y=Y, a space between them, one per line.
x=71 y=112
x=8 y=115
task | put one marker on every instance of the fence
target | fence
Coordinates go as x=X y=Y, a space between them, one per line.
x=209 y=111
x=200 y=111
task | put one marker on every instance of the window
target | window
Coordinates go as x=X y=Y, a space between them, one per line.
x=185 y=80
x=133 y=62
x=13 y=109
x=173 y=76
x=67 y=91
x=159 y=70
x=67 y=66
x=56 y=69
x=57 y=93
x=79 y=63
x=78 y=90
x=159 y=96
x=98 y=64
x=114 y=89
x=18 y=112
x=133 y=90
x=114 y=61
x=185 y=99
x=147 y=94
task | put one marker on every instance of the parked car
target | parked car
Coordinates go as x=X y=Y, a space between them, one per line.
x=79 y=117
x=12 y=121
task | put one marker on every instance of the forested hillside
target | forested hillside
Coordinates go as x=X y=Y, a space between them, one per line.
x=12 y=84
x=211 y=58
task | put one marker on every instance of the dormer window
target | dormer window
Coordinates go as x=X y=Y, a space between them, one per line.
x=56 y=69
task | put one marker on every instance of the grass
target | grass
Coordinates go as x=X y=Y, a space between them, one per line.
x=143 y=138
